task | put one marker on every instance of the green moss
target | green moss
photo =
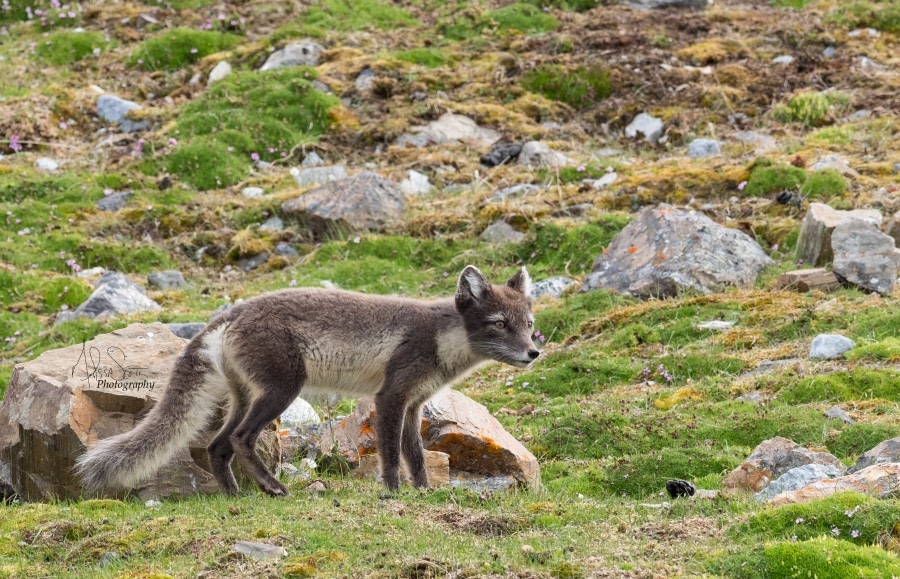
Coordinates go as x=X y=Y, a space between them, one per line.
x=856 y=384
x=65 y=47
x=855 y=439
x=887 y=349
x=346 y=16
x=68 y=291
x=244 y=116
x=180 y=47
x=823 y=558
x=553 y=249
x=579 y=88
x=796 y=4
x=768 y=179
x=575 y=5
x=524 y=17
x=206 y=164
x=870 y=517
x=646 y=474
x=881 y=15
x=812 y=109
x=430 y=57
x=824 y=184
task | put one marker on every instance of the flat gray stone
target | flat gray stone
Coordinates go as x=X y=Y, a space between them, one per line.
x=796 y=479
x=415 y=183
x=167 y=279
x=114 y=201
x=699 y=148
x=487 y=485
x=645 y=126
x=47 y=165
x=312 y=160
x=303 y=53
x=263 y=551
x=449 y=129
x=828 y=346
x=284 y=249
x=365 y=79
x=552 y=286
x=252 y=262
x=318 y=175
x=186 y=330
x=115 y=295
x=536 y=154
x=520 y=190
x=500 y=233
x=218 y=72
x=273 y=223
x=839 y=413
x=814 y=245
x=253 y=192
x=113 y=109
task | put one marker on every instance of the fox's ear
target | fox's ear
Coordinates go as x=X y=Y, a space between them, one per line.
x=472 y=284
x=521 y=282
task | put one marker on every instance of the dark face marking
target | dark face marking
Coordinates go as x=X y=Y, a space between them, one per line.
x=497 y=318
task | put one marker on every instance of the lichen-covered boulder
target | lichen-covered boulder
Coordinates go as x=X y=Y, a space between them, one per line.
x=865 y=257
x=884 y=452
x=666 y=250
x=451 y=423
x=878 y=480
x=814 y=243
x=771 y=459
x=67 y=399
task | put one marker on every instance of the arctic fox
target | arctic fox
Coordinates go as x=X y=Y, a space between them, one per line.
x=262 y=353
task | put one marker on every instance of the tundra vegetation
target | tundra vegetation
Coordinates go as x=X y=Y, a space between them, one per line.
x=626 y=395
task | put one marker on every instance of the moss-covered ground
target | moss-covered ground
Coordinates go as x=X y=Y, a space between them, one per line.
x=626 y=395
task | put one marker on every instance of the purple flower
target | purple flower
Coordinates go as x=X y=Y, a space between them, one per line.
x=14 y=143
x=254 y=157
x=854 y=533
x=793 y=538
x=799 y=521
x=173 y=141
x=741 y=185
x=835 y=531
x=293 y=283
x=581 y=168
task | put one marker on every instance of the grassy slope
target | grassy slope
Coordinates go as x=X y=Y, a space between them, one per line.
x=607 y=436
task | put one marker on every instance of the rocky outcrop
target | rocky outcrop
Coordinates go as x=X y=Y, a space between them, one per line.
x=304 y=53
x=797 y=478
x=647 y=127
x=814 y=243
x=878 y=480
x=666 y=250
x=452 y=424
x=167 y=279
x=449 y=129
x=699 y=148
x=536 y=154
x=865 y=257
x=318 y=175
x=771 y=459
x=552 y=286
x=500 y=233
x=885 y=452
x=67 y=399
x=364 y=201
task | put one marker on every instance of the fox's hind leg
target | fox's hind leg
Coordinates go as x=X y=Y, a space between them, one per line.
x=411 y=445
x=221 y=449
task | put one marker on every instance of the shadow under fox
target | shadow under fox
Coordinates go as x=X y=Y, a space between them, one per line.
x=262 y=353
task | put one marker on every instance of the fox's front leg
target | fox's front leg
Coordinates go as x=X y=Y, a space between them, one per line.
x=412 y=445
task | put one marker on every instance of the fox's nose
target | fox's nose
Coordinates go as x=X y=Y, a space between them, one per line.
x=533 y=354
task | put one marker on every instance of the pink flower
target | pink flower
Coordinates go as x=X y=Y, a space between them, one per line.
x=741 y=185
x=172 y=141
x=14 y=143
x=254 y=157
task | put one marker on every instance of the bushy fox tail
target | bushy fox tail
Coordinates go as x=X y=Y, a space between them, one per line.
x=187 y=404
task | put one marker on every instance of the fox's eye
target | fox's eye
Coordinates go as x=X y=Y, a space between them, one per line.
x=530 y=324
x=500 y=325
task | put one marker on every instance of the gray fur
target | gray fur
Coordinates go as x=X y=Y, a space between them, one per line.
x=261 y=354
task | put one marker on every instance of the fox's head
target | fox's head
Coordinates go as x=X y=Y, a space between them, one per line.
x=498 y=318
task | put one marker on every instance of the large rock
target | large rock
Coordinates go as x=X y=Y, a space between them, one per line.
x=865 y=257
x=67 y=399
x=771 y=459
x=667 y=250
x=879 y=480
x=500 y=233
x=887 y=451
x=114 y=201
x=437 y=465
x=115 y=295
x=536 y=154
x=450 y=129
x=113 y=109
x=699 y=148
x=304 y=53
x=220 y=71
x=797 y=478
x=552 y=286
x=364 y=201
x=814 y=243
x=452 y=424
x=828 y=346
